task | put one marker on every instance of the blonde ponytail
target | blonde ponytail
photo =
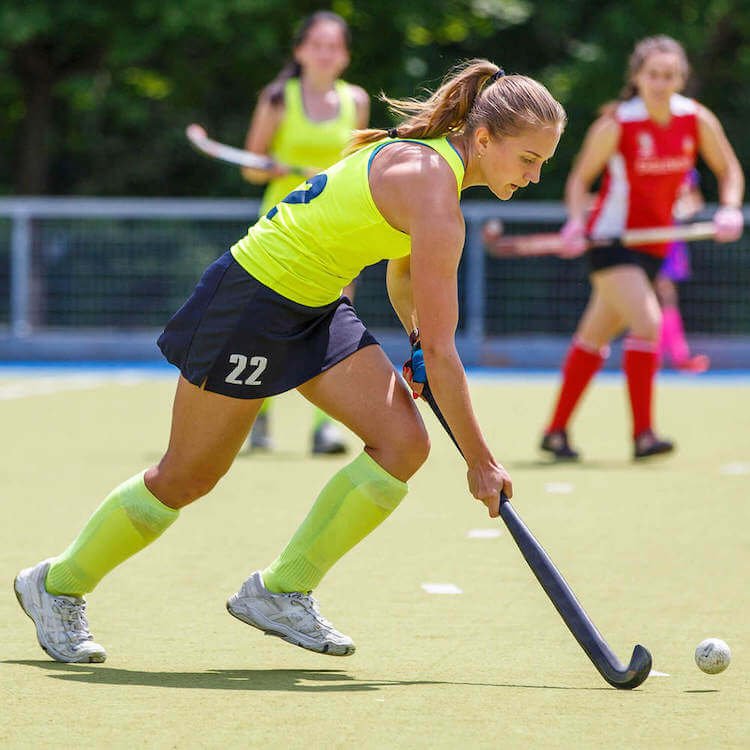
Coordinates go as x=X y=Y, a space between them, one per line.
x=474 y=93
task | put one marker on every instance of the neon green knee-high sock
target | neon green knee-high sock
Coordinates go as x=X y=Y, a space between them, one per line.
x=129 y=519
x=356 y=500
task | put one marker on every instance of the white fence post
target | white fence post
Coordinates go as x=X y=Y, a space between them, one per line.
x=474 y=291
x=20 y=274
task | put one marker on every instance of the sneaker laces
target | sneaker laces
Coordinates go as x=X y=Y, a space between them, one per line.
x=311 y=606
x=72 y=613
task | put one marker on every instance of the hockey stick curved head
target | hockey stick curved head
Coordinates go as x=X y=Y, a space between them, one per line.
x=638 y=670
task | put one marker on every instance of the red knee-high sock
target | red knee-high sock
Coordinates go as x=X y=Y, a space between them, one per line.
x=640 y=363
x=581 y=364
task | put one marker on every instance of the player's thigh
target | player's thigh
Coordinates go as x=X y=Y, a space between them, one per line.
x=208 y=429
x=365 y=393
x=600 y=321
x=630 y=293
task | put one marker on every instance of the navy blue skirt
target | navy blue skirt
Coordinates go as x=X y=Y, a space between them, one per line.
x=237 y=337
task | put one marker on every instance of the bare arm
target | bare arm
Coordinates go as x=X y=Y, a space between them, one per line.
x=719 y=155
x=415 y=190
x=436 y=250
x=362 y=106
x=598 y=146
x=398 y=283
x=265 y=121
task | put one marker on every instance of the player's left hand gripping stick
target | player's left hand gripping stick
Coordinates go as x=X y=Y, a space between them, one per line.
x=416 y=368
x=415 y=364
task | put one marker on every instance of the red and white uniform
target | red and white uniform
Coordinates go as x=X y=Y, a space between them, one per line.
x=642 y=179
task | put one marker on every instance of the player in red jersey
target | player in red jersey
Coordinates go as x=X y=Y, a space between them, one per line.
x=645 y=144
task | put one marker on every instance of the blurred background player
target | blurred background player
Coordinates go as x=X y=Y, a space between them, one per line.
x=676 y=268
x=278 y=291
x=305 y=117
x=646 y=144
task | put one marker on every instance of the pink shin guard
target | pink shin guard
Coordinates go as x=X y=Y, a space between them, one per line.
x=672 y=341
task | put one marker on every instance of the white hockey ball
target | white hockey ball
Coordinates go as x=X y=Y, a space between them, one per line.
x=712 y=655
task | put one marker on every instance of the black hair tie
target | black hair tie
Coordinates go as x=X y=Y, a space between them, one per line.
x=392 y=133
x=497 y=74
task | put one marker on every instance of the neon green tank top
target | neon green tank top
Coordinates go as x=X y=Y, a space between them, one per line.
x=302 y=142
x=320 y=236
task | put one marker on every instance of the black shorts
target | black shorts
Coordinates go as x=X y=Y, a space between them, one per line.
x=237 y=337
x=617 y=254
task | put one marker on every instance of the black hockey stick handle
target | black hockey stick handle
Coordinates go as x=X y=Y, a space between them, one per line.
x=560 y=593
x=430 y=399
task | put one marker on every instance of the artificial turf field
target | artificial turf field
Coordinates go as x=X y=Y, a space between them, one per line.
x=658 y=553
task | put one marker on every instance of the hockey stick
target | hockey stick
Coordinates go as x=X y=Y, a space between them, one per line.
x=200 y=140
x=533 y=245
x=561 y=595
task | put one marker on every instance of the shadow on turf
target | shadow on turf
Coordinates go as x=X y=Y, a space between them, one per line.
x=283 y=680
x=545 y=463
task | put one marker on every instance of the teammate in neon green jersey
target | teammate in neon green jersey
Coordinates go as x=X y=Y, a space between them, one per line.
x=241 y=338
x=305 y=117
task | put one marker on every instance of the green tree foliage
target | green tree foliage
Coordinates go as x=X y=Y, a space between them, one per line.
x=95 y=95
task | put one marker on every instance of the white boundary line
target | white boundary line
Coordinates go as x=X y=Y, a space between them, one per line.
x=50 y=384
x=483 y=533
x=441 y=588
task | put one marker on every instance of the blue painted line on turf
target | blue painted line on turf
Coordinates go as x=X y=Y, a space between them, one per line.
x=713 y=377
x=476 y=374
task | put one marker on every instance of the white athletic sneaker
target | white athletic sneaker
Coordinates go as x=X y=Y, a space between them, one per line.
x=61 y=625
x=293 y=617
x=260 y=435
x=328 y=440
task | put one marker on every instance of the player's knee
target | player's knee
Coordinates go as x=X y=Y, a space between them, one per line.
x=421 y=450
x=648 y=326
x=414 y=446
x=665 y=291
x=199 y=484
x=179 y=487
x=652 y=326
